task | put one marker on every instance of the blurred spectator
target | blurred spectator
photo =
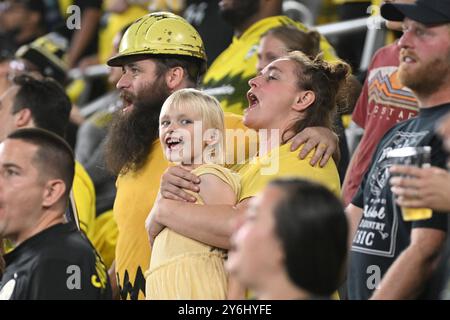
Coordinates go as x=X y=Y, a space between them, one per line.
x=303 y=226
x=350 y=46
x=384 y=102
x=21 y=21
x=277 y=42
x=391 y=258
x=117 y=14
x=215 y=32
x=52 y=260
x=83 y=41
x=44 y=57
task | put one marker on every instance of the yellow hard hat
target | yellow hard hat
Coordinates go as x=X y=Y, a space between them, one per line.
x=160 y=33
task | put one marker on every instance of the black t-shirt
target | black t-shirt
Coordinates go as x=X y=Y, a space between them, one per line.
x=57 y=263
x=215 y=32
x=382 y=233
x=63 y=29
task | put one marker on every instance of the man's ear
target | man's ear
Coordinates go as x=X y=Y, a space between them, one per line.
x=23 y=118
x=174 y=78
x=303 y=100
x=54 y=191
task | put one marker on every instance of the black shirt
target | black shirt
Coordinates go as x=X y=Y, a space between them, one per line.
x=57 y=263
x=382 y=234
x=215 y=32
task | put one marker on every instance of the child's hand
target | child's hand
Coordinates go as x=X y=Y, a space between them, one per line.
x=174 y=180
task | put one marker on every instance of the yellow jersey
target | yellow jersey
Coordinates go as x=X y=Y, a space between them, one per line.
x=281 y=162
x=84 y=194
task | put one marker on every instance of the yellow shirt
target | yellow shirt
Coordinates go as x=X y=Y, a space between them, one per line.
x=105 y=237
x=136 y=193
x=281 y=162
x=183 y=268
x=227 y=78
x=84 y=194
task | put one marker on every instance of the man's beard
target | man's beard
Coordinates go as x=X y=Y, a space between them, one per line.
x=428 y=78
x=241 y=12
x=131 y=135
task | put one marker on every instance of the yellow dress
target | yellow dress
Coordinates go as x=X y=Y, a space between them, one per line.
x=183 y=268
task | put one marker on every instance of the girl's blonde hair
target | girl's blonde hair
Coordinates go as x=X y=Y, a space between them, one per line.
x=210 y=111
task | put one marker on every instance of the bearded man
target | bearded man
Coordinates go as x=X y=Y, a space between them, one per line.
x=391 y=258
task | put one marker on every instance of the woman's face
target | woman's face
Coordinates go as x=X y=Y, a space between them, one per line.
x=256 y=252
x=272 y=95
x=270 y=49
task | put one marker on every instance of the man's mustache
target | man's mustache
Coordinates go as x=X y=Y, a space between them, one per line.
x=127 y=96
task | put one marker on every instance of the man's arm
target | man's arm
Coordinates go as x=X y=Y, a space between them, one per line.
x=407 y=275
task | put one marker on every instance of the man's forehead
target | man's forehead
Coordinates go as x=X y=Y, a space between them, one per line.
x=17 y=149
x=409 y=21
x=137 y=60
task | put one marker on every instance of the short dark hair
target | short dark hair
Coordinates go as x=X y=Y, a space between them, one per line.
x=312 y=227
x=54 y=157
x=45 y=98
